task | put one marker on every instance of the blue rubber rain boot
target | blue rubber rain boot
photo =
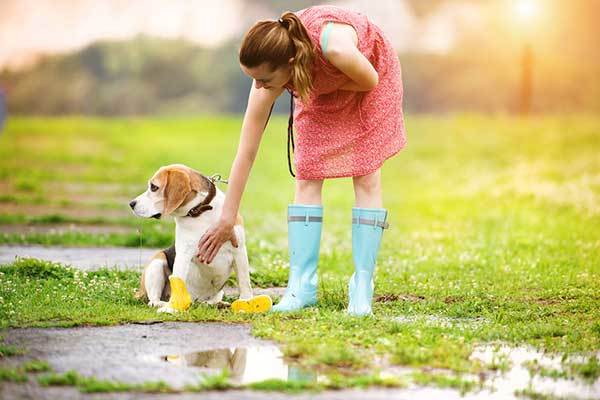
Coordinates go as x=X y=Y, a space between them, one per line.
x=367 y=228
x=304 y=240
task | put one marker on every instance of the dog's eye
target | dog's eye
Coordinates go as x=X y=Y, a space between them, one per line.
x=153 y=187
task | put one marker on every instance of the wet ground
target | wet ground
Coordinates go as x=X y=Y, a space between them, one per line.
x=136 y=353
x=518 y=376
x=179 y=353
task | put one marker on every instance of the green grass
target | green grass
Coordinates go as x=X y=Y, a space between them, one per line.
x=153 y=238
x=218 y=381
x=333 y=381
x=93 y=385
x=533 y=395
x=494 y=220
x=8 y=350
x=444 y=381
x=19 y=373
x=67 y=219
x=214 y=382
x=12 y=374
x=280 y=385
x=590 y=370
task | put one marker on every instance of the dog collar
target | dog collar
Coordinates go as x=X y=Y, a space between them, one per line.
x=205 y=204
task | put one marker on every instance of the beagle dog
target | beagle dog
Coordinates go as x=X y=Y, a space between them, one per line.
x=195 y=203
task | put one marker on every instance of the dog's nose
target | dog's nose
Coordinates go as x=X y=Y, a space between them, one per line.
x=132 y=204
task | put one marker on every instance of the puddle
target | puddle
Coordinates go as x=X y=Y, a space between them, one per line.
x=245 y=364
x=258 y=363
x=180 y=353
x=123 y=352
x=518 y=377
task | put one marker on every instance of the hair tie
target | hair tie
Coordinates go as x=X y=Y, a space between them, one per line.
x=280 y=20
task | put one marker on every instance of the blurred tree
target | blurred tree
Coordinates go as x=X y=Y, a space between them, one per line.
x=423 y=8
x=480 y=73
x=288 y=5
x=2 y=108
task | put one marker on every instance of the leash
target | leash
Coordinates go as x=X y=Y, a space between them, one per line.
x=139 y=231
x=217 y=178
x=290 y=129
x=291 y=132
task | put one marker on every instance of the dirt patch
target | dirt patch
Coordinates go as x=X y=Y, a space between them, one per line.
x=453 y=299
x=389 y=297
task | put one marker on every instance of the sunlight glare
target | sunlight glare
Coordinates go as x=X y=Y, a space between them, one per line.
x=526 y=10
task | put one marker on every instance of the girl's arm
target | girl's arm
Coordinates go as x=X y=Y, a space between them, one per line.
x=255 y=118
x=343 y=53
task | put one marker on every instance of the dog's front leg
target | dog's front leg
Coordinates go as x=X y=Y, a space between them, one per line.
x=180 y=298
x=242 y=267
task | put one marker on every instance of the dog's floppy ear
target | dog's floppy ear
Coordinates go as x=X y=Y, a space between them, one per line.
x=176 y=190
x=197 y=181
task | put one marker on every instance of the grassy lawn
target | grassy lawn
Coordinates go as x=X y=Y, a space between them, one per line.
x=494 y=231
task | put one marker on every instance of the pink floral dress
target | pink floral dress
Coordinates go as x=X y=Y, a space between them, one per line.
x=341 y=133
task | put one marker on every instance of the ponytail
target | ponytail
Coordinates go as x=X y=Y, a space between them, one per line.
x=275 y=42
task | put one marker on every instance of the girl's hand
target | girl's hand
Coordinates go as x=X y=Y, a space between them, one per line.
x=213 y=239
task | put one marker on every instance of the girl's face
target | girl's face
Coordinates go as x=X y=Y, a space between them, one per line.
x=266 y=78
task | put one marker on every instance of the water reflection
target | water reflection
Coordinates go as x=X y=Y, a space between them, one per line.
x=245 y=364
x=258 y=363
x=517 y=375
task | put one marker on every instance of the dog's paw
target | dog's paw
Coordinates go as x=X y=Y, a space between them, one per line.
x=167 y=309
x=222 y=305
x=157 y=303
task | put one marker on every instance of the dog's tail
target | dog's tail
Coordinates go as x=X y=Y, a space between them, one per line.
x=141 y=294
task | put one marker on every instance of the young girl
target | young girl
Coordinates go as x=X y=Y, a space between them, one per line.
x=345 y=79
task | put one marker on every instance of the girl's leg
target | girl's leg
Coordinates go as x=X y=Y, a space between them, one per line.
x=305 y=219
x=367 y=190
x=308 y=191
x=368 y=222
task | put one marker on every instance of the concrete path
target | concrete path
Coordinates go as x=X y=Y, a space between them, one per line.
x=84 y=258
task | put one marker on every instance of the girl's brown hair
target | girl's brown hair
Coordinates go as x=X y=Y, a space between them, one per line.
x=275 y=43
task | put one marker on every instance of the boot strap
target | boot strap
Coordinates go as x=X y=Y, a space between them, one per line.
x=372 y=222
x=311 y=218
